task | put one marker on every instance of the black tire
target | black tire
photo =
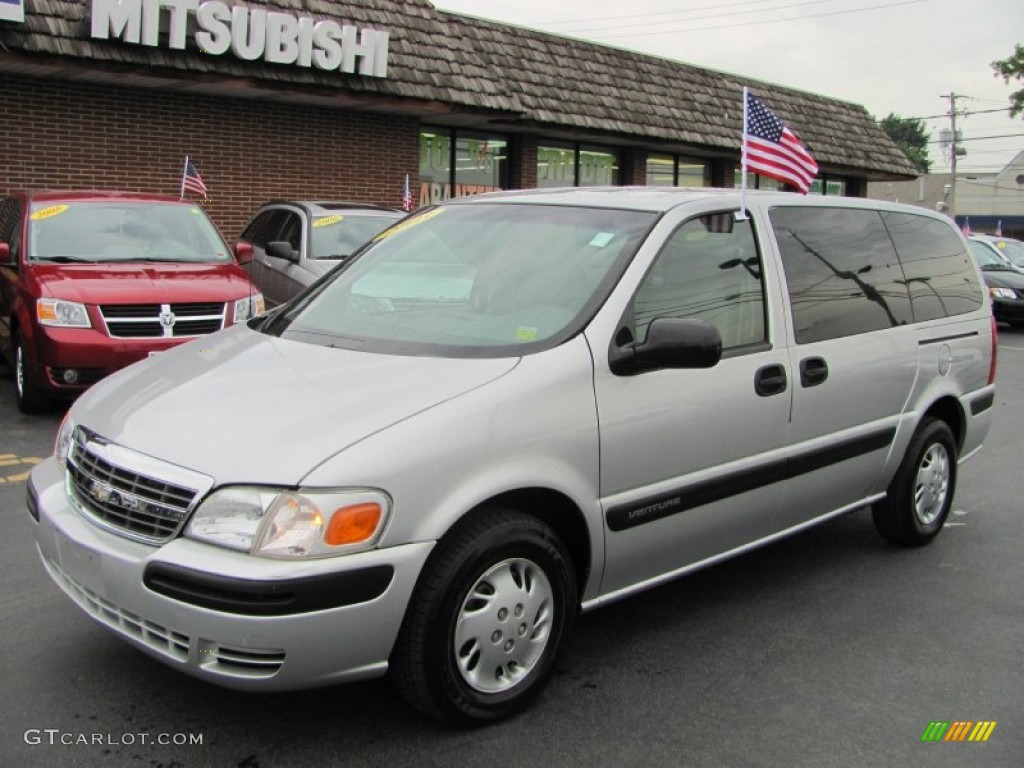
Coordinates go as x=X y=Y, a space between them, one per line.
x=30 y=398
x=921 y=494
x=521 y=609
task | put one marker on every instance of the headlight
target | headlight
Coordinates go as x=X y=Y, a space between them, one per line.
x=63 y=314
x=272 y=522
x=62 y=445
x=1002 y=293
x=250 y=306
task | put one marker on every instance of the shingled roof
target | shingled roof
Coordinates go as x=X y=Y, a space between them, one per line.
x=441 y=61
x=568 y=82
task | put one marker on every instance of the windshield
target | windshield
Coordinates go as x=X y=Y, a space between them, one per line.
x=121 y=231
x=1011 y=249
x=987 y=258
x=471 y=280
x=341 y=235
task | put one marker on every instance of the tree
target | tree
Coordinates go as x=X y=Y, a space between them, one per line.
x=910 y=135
x=1012 y=68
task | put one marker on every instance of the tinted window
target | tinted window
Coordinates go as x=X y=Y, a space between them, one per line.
x=708 y=269
x=291 y=230
x=939 y=272
x=255 y=232
x=843 y=274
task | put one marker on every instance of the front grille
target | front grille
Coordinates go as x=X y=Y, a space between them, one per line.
x=139 y=506
x=140 y=321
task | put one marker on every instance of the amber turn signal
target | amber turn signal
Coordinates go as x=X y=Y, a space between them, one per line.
x=351 y=525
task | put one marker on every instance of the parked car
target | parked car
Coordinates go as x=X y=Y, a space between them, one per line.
x=93 y=281
x=1010 y=249
x=1005 y=281
x=295 y=242
x=510 y=408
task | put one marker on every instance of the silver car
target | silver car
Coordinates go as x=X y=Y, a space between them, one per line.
x=509 y=409
x=295 y=242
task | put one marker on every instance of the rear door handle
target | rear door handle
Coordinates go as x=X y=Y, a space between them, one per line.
x=770 y=380
x=813 y=371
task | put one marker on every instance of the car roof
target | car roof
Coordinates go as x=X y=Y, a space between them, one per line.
x=68 y=195
x=662 y=199
x=327 y=207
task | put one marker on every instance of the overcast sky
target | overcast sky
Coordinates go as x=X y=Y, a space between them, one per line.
x=896 y=56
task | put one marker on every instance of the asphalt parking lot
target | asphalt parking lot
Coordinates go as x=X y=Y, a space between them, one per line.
x=830 y=648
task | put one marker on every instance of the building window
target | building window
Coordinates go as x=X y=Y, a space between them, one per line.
x=827 y=186
x=576 y=165
x=757 y=181
x=456 y=163
x=677 y=171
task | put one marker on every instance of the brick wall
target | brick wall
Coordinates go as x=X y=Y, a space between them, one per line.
x=61 y=135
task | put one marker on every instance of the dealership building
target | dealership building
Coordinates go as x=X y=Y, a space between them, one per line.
x=313 y=99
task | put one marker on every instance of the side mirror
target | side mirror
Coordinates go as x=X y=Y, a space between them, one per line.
x=243 y=252
x=671 y=342
x=5 y=253
x=282 y=249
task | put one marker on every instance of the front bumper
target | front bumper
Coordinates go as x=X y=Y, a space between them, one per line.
x=1008 y=310
x=91 y=354
x=196 y=619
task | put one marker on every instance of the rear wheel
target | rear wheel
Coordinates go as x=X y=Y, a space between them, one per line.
x=494 y=604
x=921 y=494
x=30 y=398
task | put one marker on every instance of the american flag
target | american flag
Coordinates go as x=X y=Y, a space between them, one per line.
x=407 y=195
x=192 y=181
x=771 y=149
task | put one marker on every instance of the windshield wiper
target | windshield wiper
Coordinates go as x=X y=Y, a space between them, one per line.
x=66 y=259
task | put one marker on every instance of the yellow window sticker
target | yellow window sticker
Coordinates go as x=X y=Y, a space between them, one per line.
x=45 y=213
x=410 y=222
x=326 y=221
x=523 y=333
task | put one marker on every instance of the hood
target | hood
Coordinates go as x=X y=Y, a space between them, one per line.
x=243 y=407
x=1004 y=279
x=141 y=283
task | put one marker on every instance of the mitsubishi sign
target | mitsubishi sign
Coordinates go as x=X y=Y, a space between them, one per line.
x=248 y=33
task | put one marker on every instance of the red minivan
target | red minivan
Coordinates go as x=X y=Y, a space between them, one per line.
x=92 y=281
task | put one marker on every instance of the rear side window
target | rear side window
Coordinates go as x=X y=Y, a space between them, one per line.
x=939 y=272
x=842 y=270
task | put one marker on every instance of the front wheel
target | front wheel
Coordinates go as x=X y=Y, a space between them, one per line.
x=30 y=398
x=495 y=602
x=921 y=494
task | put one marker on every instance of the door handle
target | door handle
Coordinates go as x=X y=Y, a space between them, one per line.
x=813 y=371
x=770 y=380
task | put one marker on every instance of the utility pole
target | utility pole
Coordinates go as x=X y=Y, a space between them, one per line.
x=952 y=154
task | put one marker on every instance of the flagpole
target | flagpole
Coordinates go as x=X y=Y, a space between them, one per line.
x=184 y=171
x=743 y=162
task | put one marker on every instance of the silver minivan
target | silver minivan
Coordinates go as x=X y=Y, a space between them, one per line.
x=511 y=408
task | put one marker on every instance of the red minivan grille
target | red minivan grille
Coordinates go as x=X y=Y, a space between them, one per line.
x=138 y=321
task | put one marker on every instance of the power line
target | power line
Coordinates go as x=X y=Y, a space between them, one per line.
x=767 y=21
x=657 y=13
x=964 y=114
x=981 y=138
x=701 y=18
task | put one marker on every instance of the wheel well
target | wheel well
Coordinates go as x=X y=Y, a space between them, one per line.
x=560 y=513
x=948 y=410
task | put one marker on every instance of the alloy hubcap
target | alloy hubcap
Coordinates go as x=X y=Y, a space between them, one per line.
x=19 y=371
x=931 y=487
x=504 y=625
